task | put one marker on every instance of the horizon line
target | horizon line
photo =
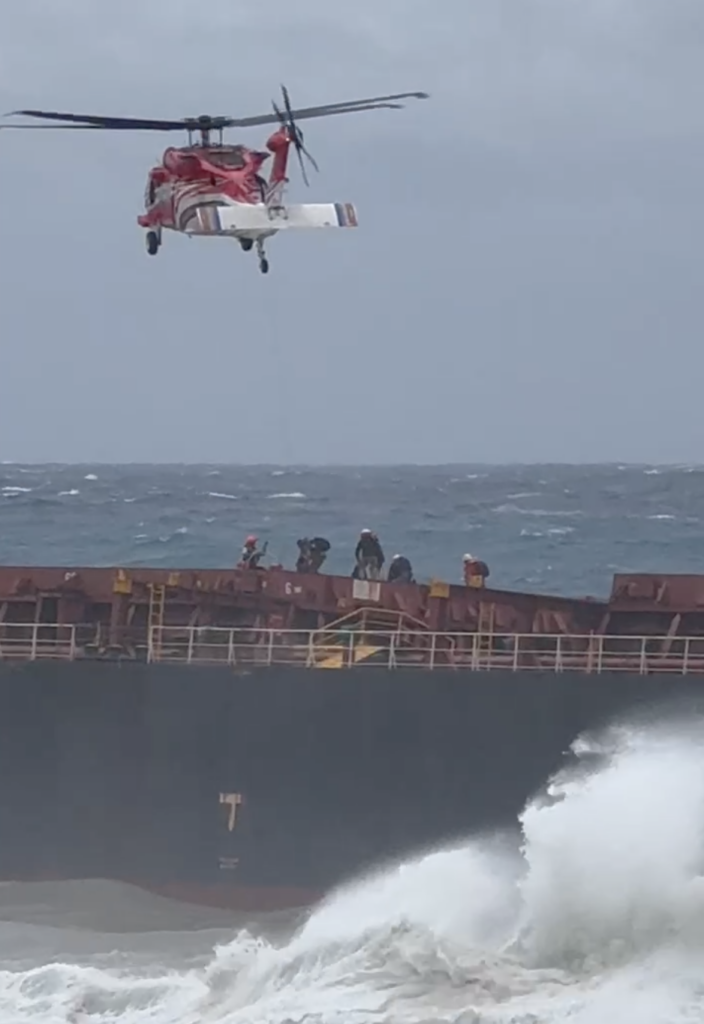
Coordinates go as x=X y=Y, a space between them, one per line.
x=675 y=464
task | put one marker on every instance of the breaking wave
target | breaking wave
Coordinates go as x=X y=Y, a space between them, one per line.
x=598 y=919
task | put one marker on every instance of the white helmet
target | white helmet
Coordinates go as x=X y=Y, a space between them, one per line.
x=468 y=558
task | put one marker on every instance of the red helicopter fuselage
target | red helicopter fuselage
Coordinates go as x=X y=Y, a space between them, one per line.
x=193 y=176
x=216 y=190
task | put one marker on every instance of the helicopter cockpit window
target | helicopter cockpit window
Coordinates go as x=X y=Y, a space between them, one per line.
x=231 y=158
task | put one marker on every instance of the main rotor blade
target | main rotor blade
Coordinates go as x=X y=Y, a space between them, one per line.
x=107 y=123
x=49 y=127
x=213 y=123
x=327 y=109
x=379 y=99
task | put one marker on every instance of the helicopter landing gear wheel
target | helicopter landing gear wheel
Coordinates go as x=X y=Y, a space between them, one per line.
x=263 y=261
x=153 y=242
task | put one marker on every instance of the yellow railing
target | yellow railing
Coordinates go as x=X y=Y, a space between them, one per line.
x=357 y=648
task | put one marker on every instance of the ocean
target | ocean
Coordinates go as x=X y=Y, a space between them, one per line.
x=559 y=529
x=595 y=917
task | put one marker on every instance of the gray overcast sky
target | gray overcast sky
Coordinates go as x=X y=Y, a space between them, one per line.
x=525 y=283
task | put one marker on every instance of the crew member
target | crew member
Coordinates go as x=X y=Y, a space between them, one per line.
x=303 y=560
x=251 y=555
x=369 y=556
x=400 y=570
x=312 y=554
x=475 y=571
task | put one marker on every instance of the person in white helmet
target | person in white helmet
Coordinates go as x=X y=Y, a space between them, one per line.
x=400 y=570
x=475 y=572
x=369 y=557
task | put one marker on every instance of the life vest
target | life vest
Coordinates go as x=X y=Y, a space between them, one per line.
x=250 y=558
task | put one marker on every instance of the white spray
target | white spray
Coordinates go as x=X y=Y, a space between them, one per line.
x=600 y=922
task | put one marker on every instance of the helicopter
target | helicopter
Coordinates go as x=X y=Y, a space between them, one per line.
x=210 y=188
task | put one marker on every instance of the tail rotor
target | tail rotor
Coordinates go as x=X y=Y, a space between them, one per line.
x=288 y=121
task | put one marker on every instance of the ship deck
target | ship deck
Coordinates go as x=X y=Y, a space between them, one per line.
x=258 y=619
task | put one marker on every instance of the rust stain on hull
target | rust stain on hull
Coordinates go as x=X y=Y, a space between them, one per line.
x=250 y=899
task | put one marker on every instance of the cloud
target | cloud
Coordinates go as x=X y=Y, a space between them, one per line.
x=509 y=66
x=528 y=252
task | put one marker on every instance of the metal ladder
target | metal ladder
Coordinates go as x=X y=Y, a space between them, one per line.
x=157 y=600
x=485 y=629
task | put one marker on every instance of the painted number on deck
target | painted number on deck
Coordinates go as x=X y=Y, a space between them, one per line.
x=233 y=801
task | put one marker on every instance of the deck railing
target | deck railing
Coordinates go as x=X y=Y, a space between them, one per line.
x=242 y=648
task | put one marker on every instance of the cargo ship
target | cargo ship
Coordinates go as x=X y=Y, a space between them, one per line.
x=251 y=739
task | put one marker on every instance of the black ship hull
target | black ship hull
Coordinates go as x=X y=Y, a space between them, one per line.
x=264 y=790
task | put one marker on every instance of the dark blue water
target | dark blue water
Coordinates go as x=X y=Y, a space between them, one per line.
x=564 y=529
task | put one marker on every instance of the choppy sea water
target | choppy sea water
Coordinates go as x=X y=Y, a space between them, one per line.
x=598 y=919
x=563 y=529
